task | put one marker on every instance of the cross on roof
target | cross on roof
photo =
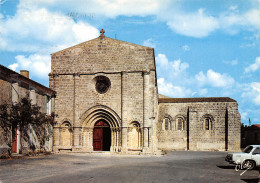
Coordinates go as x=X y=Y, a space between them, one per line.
x=102 y=33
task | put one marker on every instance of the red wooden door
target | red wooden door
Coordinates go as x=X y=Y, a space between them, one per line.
x=98 y=139
x=101 y=136
x=14 y=142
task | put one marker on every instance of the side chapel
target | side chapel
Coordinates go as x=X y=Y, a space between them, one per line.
x=107 y=100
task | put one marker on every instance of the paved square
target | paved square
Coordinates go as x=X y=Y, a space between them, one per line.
x=176 y=166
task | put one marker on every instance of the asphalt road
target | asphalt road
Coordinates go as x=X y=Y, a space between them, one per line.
x=176 y=166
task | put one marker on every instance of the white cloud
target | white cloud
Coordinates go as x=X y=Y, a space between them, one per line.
x=256 y=90
x=107 y=8
x=179 y=67
x=149 y=43
x=195 y=24
x=32 y=30
x=253 y=67
x=175 y=67
x=214 y=79
x=252 y=93
x=13 y=66
x=169 y=89
x=38 y=65
x=253 y=18
x=162 y=60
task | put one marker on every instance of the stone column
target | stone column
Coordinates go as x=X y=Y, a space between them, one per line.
x=146 y=108
x=193 y=128
x=76 y=128
x=124 y=111
x=152 y=111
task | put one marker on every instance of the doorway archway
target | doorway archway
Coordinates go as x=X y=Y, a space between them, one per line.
x=101 y=136
x=90 y=121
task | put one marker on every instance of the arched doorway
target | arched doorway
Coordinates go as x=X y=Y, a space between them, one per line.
x=101 y=136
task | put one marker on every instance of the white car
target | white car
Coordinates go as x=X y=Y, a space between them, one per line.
x=248 y=159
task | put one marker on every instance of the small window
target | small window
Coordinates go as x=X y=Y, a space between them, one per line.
x=207 y=124
x=167 y=125
x=179 y=124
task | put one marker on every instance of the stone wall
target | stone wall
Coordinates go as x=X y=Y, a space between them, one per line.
x=223 y=133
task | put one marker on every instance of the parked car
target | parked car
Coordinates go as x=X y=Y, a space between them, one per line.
x=249 y=158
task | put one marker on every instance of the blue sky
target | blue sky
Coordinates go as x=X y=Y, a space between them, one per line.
x=203 y=48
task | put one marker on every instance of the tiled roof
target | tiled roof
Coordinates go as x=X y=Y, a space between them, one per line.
x=257 y=125
x=191 y=100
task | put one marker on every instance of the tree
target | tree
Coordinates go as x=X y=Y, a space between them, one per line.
x=25 y=116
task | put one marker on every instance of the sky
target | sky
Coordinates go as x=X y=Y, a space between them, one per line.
x=203 y=48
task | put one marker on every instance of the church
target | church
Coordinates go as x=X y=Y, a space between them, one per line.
x=107 y=100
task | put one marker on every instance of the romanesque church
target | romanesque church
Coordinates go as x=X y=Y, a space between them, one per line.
x=107 y=100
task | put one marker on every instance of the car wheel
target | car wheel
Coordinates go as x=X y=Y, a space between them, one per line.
x=248 y=164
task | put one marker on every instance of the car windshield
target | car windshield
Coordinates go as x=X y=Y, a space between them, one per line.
x=248 y=149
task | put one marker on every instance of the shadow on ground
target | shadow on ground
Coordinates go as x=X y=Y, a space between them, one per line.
x=226 y=166
x=250 y=180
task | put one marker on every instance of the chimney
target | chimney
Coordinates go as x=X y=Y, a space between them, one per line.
x=24 y=73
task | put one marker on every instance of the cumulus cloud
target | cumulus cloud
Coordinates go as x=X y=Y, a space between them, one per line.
x=32 y=30
x=13 y=66
x=253 y=17
x=175 y=67
x=169 y=89
x=107 y=8
x=252 y=92
x=38 y=65
x=196 y=24
x=214 y=79
x=253 y=67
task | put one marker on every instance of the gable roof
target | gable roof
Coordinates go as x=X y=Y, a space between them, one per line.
x=192 y=100
x=104 y=55
x=98 y=38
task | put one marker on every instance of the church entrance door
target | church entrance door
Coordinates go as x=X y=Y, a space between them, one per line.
x=101 y=136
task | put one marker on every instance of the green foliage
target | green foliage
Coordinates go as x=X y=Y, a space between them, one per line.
x=25 y=116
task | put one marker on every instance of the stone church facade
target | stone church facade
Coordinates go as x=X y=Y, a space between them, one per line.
x=107 y=100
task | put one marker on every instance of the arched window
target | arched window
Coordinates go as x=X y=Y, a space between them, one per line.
x=179 y=124
x=166 y=125
x=207 y=123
